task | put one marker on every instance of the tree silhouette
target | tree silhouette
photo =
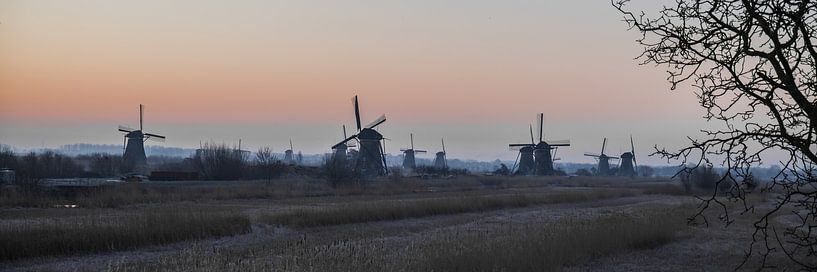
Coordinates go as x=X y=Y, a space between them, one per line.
x=752 y=64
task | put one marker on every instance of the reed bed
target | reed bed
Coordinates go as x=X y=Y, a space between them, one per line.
x=113 y=233
x=360 y=212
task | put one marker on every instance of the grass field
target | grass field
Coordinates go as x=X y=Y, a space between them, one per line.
x=462 y=224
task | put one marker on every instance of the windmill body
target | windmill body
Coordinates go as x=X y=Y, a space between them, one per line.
x=134 y=159
x=526 y=162
x=440 y=162
x=369 y=160
x=628 y=166
x=604 y=165
x=288 y=157
x=543 y=159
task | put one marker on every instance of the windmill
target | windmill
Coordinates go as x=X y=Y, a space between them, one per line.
x=370 y=160
x=408 y=155
x=440 y=162
x=525 y=165
x=340 y=154
x=628 y=165
x=542 y=151
x=134 y=158
x=288 y=154
x=604 y=160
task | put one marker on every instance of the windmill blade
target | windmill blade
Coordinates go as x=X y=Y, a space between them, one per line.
x=344 y=141
x=377 y=121
x=531 y=134
x=521 y=145
x=515 y=163
x=592 y=155
x=443 y=141
x=514 y=148
x=541 y=125
x=125 y=129
x=124 y=144
x=357 y=113
x=344 y=131
x=290 y=145
x=558 y=142
x=383 y=157
x=603 y=144
x=412 y=140
x=632 y=149
x=141 y=115
x=155 y=136
x=420 y=151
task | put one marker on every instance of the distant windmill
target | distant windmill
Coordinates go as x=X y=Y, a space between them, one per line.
x=288 y=154
x=542 y=151
x=525 y=165
x=370 y=160
x=408 y=155
x=134 y=158
x=340 y=154
x=440 y=162
x=628 y=165
x=604 y=160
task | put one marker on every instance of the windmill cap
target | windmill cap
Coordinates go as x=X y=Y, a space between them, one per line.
x=369 y=134
x=135 y=134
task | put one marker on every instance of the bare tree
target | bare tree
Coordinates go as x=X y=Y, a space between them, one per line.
x=753 y=65
x=267 y=163
x=220 y=162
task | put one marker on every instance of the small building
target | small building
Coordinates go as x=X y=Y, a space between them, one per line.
x=7 y=176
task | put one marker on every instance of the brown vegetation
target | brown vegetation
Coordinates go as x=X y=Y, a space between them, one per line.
x=111 y=233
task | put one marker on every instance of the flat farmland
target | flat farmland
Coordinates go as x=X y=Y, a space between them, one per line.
x=463 y=224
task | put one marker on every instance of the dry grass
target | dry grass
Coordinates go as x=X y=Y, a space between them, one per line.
x=524 y=246
x=111 y=233
x=550 y=246
x=402 y=209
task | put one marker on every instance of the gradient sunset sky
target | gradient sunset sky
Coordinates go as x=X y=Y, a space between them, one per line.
x=474 y=72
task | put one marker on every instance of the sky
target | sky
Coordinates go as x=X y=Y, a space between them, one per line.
x=473 y=72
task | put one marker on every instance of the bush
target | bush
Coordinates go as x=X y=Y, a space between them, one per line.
x=705 y=178
x=220 y=162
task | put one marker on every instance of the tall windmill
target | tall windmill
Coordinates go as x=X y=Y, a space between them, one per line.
x=371 y=160
x=628 y=165
x=524 y=164
x=134 y=158
x=408 y=155
x=440 y=162
x=604 y=160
